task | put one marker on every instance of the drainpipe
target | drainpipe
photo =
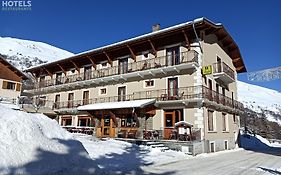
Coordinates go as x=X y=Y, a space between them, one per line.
x=197 y=39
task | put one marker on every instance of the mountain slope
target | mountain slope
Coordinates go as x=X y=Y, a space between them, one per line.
x=25 y=53
x=261 y=100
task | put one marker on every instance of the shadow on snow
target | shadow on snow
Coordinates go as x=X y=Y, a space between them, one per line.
x=252 y=143
x=77 y=162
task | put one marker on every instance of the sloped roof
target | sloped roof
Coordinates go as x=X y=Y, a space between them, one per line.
x=12 y=68
x=208 y=26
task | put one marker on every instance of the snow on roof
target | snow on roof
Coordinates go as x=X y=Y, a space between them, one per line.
x=197 y=20
x=183 y=123
x=117 y=105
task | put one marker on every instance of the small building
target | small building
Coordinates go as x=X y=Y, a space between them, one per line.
x=10 y=81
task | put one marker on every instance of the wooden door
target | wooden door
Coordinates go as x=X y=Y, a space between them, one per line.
x=172 y=57
x=172 y=88
x=107 y=129
x=169 y=121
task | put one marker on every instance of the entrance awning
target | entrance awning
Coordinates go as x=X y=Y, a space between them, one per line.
x=117 y=105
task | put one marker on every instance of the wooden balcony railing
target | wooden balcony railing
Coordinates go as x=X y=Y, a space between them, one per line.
x=184 y=93
x=158 y=62
x=222 y=67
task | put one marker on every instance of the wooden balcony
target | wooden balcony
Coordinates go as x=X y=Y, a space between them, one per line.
x=223 y=72
x=180 y=95
x=148 y=68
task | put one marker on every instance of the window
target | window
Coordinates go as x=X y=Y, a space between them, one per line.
x=104 y=64
x=70 y=100
x=87 y=72
x=57 y=102
x=224 y=122
x=42 y=81
x=85 y=121
x=210 y=84
x=172 y=56
x=58 y=78
x=169 y=120
x=212 y=147
x=145 y=55
x=85 y=97
x=210 y=120
x=11 y=85
x=225 y=144
x=223 y=91
x=122 y=93
x=42 y=101
x=123 y=66
x=149 y=83
x=129 y=121
x=66 y=121
x=103 y=91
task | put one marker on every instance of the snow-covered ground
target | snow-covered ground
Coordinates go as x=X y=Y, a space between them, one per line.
x=34 y=144
x=119 y=157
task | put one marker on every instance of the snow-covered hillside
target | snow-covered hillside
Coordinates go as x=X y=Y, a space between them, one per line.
x=25 y=53
x=261 y=100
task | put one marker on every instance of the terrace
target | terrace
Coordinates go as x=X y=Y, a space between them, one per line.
x=136 y=70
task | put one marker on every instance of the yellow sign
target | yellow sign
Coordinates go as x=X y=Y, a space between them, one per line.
x=207 y=70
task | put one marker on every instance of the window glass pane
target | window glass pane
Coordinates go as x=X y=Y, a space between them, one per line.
x=169 y=120
x=210 y=121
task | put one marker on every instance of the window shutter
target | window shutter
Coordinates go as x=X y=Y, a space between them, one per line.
x=4 y=85
x=18 y=88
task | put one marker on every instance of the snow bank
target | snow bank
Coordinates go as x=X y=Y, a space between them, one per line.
x=260 y=144
x=35 y=144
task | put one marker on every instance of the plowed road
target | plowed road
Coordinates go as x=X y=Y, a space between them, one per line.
x=237 y=162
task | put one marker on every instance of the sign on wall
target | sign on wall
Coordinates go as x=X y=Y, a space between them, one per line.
x=207 y=70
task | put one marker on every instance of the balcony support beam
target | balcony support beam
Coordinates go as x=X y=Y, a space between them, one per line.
x=108 y=59
x=63 y=70
x=239 y=68
x=223 y=38
x=186 y=40
x=93 y=63
x=48 y=72
x=75 y=65
x=153 y=48
x=132 y=53
x=235 y=60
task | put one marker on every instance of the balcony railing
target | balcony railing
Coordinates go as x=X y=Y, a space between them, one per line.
x=223 y=68
x=154 y=63
x=184 y=93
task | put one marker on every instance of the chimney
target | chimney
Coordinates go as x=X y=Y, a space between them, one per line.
x=155 y=27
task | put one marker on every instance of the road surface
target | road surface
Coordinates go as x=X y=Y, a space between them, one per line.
x=234 y=162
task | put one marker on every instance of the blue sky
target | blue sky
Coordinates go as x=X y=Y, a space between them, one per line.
x=78 y=26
